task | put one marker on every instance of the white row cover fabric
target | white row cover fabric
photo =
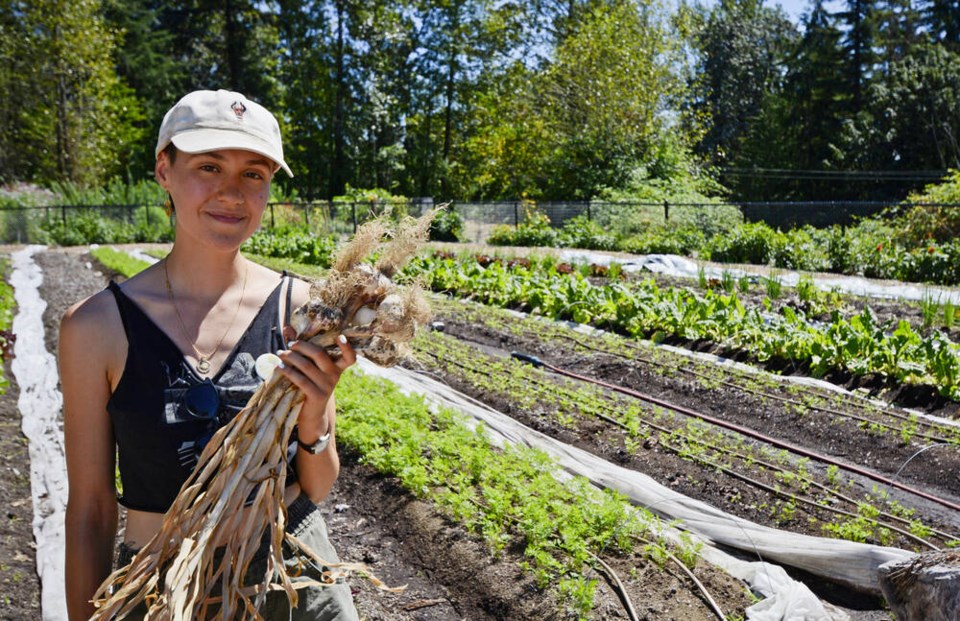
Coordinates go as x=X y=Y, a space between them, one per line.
x=675 y=265
x=40 y=402
x=844 y=562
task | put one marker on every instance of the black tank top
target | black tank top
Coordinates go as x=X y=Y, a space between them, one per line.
x=161 y=411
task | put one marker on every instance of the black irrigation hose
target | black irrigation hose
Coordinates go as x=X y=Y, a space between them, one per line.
x=892 y=414
x=739 y=429
x=787 y=400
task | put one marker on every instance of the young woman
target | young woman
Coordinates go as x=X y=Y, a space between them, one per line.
x=152 y=367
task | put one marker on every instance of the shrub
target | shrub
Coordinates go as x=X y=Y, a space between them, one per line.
x=535 y=230
x=797 y=249
x=685 y=241
x=748 y=243
x=921 y=223
x=581 y=232
x=447 y=225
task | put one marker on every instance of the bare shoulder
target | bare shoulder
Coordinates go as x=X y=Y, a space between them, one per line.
x=96 y=313
x=92 y=329
x=301 y=291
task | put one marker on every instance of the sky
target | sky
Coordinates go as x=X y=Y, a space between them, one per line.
x=794 y=8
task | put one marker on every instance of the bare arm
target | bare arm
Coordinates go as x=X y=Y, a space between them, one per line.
x=316 y=374
x=86 y=349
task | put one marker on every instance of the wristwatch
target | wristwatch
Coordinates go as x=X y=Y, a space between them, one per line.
x=317 y=447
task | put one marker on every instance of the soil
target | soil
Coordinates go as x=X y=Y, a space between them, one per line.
x=449 y=573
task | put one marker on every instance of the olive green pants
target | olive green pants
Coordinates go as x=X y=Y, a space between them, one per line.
x=316 y=603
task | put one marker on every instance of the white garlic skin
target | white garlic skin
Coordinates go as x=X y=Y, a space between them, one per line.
x=364 y=316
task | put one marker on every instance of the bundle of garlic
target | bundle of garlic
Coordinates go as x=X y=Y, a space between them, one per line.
x=194 y=567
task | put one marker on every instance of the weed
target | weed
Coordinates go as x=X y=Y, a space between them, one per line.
x=774 y=286
x=929 y=308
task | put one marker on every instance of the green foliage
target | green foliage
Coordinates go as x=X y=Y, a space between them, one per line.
x=82 y=121
x=118 y=261
x=662 y=239
x=581 y=232
x=376 y=200
x=923 y=223
x=7 y=338
x=535 y=230
x=859 y=345
x=447 y=225
x=292 y=243
x=742 y=46
x=116 y=191
x=506 y=496
x=750 y=243
x=90 y=226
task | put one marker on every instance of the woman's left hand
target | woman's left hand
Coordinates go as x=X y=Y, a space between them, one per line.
x=316 y=374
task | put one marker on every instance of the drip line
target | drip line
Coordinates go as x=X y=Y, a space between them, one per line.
x=537 y=362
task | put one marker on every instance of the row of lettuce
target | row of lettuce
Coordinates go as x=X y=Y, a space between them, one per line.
x=501 y=494
x=859 y=345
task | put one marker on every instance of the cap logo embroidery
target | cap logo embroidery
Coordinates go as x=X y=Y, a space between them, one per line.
x=238 y=109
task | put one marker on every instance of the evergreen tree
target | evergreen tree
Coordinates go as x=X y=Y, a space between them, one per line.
x=860 y=25
x=743 y=48
x=942 y=17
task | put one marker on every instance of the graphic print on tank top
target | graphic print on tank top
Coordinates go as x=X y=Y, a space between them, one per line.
x=189 y=401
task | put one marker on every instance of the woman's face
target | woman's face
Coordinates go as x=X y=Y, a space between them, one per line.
x=219 y=196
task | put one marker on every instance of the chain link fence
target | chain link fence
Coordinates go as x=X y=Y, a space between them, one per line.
x=130 y=223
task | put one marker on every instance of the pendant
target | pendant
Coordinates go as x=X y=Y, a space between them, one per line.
x=203 y=366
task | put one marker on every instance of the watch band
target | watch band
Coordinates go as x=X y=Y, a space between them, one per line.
x=317 y=447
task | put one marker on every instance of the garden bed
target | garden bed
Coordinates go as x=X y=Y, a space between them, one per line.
x=452 y=574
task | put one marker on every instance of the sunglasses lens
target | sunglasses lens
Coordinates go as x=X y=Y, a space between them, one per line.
x=202 y=400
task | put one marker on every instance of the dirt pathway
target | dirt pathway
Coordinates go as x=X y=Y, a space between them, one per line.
x=449 y=575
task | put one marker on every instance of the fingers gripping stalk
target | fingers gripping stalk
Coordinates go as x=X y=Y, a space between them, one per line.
x=194 y=567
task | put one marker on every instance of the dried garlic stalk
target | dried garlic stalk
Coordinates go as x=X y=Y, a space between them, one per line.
x=194 y=567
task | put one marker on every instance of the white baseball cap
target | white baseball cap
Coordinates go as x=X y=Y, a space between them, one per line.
x=204 y=121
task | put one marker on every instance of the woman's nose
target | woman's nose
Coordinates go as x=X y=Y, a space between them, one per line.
x=231 y=191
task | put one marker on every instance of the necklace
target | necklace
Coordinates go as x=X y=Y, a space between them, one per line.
x=203 y=360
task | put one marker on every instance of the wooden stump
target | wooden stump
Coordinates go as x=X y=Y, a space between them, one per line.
x=923 y=588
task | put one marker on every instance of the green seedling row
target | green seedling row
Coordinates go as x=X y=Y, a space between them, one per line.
x=118 y=261
x=502 y=495
x=873 y=418
x=569 y=403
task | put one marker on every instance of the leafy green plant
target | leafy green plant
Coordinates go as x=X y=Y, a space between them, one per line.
x=858 y=344
x=929 y=309
x=7 y=338
x=949 y=314
x=447 y=225
x=292 y=243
